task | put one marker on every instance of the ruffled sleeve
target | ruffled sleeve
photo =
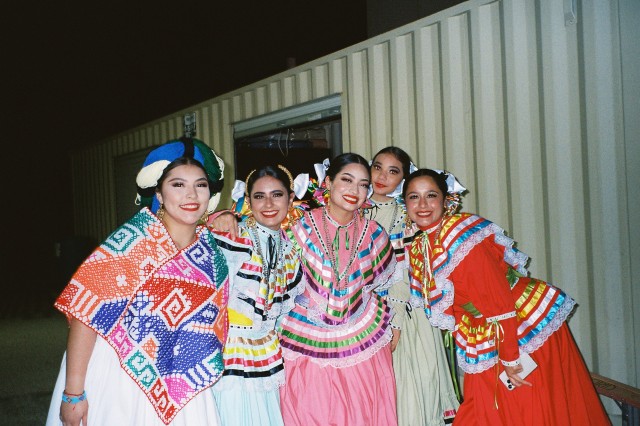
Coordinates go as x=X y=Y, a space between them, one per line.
x=482 y=287
x=382 y=260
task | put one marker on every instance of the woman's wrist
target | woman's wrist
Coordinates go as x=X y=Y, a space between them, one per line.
x=74 y=387
x=73 y=398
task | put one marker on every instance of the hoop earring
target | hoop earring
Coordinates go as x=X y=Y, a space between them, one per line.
x=160 y=212
x=246 y=184
x=288 y=173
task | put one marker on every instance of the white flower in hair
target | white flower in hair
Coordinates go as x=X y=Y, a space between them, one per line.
x=220 y=163
x=148 y=176
x=301 y=184
x=238 y=190
x=321 y=170
x=453 y=185
x=213 y=203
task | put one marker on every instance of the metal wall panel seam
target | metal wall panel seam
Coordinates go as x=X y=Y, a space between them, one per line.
x=403 y=109
x=379 y=94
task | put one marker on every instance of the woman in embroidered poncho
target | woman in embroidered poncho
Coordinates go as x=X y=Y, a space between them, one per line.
x=475 y=284
x=262 y=291
x=336 y=340
x=426 y=395
x=147 y=310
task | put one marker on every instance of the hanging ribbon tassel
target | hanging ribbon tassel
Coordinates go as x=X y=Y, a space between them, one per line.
x=346 y=238
x=451 y=351
x=336 y=249
x=495 y=329
x=273 y=253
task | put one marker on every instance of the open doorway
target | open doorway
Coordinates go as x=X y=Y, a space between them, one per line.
x=296 y=138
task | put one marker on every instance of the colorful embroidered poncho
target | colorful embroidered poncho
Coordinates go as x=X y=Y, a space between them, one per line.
x=480 y=291
x=163 y=310
x=339 y=324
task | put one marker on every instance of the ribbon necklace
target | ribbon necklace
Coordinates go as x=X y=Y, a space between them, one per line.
x=275 y=255
x=335 y=245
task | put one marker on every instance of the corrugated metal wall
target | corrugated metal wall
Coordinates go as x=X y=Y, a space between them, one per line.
x=522 y=99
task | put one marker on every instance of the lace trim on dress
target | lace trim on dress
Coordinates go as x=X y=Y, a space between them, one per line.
x=501 y=316
x=416 y=302
x=397 y=276
x=559 y=318
x=531 y=346
x=386 y=278
x=439 y=315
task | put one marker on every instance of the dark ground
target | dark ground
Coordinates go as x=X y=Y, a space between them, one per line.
x=32 y=341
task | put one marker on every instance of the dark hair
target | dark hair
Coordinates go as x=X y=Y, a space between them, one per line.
x=185 y=161
x=400 y=155
x=439 y=178
x=273 y=171
x=342 y=160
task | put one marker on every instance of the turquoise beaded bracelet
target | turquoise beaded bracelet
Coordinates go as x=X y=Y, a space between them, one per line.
x=74 y=399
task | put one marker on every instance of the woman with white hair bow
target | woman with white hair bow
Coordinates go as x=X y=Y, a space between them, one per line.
x=262 y=291
x=426 y=394
x=521 y=364
x=336 y=339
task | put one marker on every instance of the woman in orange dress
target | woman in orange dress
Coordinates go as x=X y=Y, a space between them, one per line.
x=475 y=284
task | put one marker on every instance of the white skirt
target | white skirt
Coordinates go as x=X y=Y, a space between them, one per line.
x=115 y=398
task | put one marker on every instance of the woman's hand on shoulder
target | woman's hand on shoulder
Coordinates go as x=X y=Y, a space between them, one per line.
x=74 y=414
x=224 y=221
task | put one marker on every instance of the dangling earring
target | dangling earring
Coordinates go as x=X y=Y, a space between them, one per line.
x=251 y=221
x=203 y=220
x=451 y=204
x=160 y=212
x=408 y=223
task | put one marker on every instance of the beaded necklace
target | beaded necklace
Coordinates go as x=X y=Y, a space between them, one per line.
x=331 y=252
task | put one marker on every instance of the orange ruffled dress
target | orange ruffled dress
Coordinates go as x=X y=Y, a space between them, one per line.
x=478 y=288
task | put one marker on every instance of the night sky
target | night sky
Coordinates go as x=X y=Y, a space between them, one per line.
x=75 y=73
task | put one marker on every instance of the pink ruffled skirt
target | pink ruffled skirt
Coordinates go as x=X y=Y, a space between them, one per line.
x=360 y=395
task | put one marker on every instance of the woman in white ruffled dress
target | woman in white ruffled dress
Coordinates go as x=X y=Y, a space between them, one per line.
x=262 y=291
x=147 y=310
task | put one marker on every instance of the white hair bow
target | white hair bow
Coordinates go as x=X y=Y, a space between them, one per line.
x=300 y=185
x=238 y=190
x=321 y=170
x=453 y=185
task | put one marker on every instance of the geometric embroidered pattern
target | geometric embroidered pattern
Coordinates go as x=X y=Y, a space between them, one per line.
x=163 y=310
